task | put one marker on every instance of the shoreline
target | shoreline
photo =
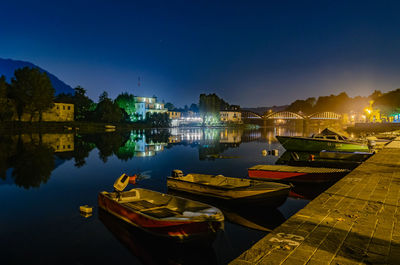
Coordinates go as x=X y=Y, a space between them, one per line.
x=16 y=127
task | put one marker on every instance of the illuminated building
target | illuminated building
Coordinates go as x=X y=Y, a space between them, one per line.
x=233 y=116
x=59 y=112
x=145 y=105
x=174 y=115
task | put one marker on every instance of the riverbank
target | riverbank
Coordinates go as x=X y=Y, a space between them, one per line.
x=356 y=221
x=373 y=127
x=90 y=127
x=63 y=127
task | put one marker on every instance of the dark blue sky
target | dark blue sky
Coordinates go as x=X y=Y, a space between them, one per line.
x=250 y=53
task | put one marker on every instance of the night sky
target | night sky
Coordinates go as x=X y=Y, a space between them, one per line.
x=249 y=53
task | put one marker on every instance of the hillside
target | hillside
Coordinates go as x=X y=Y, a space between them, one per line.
x=8 y=66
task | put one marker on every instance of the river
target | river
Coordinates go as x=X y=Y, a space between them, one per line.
x=45 y=178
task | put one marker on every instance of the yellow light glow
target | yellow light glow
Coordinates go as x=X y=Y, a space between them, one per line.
x=368 y=110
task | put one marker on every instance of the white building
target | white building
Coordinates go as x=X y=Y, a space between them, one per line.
x=144 y=105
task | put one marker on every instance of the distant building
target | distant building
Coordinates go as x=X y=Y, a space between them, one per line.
x=59 y=112
x=232 y=116
x=145 y=105
x=174 y=115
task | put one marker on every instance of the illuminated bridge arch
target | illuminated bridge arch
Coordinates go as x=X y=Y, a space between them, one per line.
x=283 y=115
x=250 y=115
x=327 y=115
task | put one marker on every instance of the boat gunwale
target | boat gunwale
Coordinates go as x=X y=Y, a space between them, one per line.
x=323 y=140
x=254 y=185
x=178 y=221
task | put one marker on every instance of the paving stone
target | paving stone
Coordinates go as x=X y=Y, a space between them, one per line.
x=317 y=262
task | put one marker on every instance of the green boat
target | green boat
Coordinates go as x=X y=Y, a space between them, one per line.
x=326 y=140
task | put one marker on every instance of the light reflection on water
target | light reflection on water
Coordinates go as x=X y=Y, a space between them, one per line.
x=45 y=178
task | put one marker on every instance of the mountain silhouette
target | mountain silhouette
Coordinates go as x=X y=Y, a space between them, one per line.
x=8 y=66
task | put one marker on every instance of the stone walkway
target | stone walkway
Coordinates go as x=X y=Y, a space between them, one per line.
x=356 y=221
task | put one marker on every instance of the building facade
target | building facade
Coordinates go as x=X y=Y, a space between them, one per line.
x=230 y=116
x=174 y=115
x=146 y=105
x=59 y=112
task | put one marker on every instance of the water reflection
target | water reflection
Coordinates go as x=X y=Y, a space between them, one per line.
x=71 y=169
x=29 y=159
x=150 y=249
x=251 y=216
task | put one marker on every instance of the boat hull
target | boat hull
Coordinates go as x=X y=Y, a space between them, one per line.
x=316 y=145
x=177 y=230
x=152 y=249
x=349 y=156
x=267 y=175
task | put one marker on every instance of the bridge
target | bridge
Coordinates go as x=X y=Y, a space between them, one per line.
x=325 y=116
x=283 y=115
x=288 y=115
x=250 y=115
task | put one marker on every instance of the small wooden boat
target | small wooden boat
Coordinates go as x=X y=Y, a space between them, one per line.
x=235 y=190
x=350 y=156
x=161 y=214
x=295 y=174
x=326 y=140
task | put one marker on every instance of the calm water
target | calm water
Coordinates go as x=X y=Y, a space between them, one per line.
x=45 y=178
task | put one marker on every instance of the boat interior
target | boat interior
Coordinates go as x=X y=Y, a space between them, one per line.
x=329 y=137
x=162 y=206
x=216 y=180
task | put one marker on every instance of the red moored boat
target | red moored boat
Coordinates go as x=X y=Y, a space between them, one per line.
x=161 y=214
x=295 y=174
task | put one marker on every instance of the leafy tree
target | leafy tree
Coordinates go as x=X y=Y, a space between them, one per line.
x=389 y=103
x=32 y=91
x=83 y=105
x=6 y=107
x=107 y=110
x=65 y=98
x=20 y=90
x=169 y=106
x=305 y=106
x=158 y=119
x=194 y=107
x=127 y=102
x=375 y=95
x=209 y=107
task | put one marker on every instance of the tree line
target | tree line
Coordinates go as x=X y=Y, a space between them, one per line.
x=388 y=103
x=31 y=92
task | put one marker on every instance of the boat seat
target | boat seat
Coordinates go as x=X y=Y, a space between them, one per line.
x=228 y=186
x=161 y=212
x=140 y=205
x=203 y=182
